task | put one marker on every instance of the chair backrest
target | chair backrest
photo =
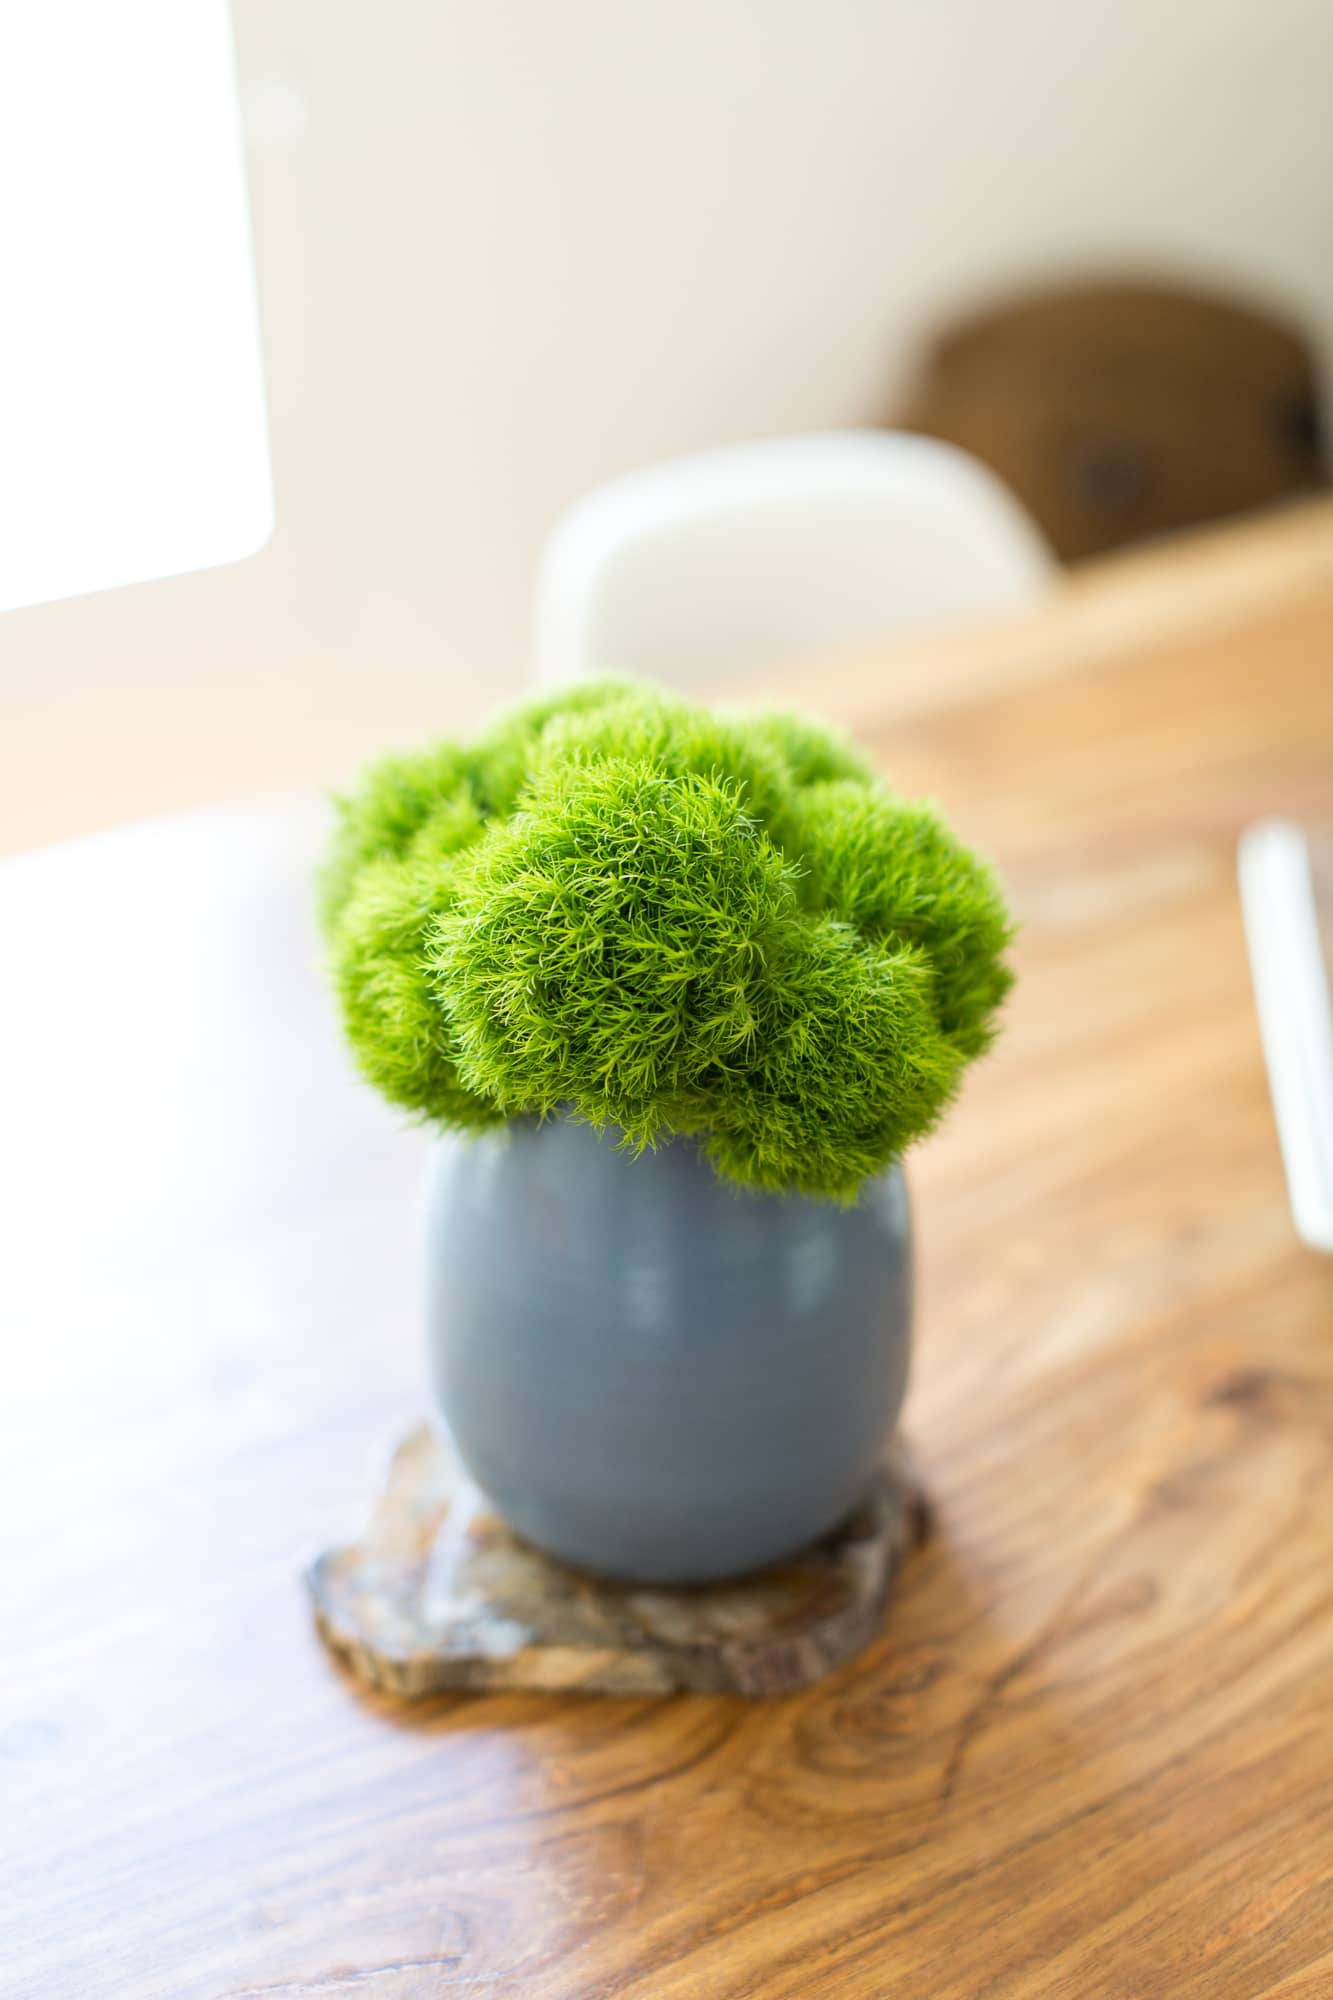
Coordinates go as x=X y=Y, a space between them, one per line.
x=726 y=564
x=1117 y=411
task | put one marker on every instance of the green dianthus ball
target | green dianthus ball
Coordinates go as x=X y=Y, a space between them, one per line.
x=627 y=907
x=607 y=948
x=892 y=870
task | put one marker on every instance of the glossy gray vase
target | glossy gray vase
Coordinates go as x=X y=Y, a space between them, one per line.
x=653 y=1374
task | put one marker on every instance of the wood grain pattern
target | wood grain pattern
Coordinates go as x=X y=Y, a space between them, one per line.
x=1090 y=1757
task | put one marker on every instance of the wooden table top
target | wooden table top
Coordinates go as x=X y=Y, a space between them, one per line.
x=1091 y=1756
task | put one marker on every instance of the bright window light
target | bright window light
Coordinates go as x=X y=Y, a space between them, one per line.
x=132 y=434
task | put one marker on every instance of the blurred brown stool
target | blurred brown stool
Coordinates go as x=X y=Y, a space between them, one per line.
x=1119 y=411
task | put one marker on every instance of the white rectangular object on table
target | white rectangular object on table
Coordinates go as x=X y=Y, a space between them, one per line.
x=1286 y=885
x=133 y=441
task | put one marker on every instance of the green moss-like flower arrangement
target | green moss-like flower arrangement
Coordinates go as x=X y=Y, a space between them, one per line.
x=668 y=920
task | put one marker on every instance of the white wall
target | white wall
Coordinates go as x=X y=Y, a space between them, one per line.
x=507 y=248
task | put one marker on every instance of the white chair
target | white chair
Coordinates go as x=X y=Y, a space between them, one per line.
x=735 y=561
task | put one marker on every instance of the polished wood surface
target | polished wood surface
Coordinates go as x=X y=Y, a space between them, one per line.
x=1091 y=1755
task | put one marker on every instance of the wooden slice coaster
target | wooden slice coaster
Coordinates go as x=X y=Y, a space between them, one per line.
x=439 y=1594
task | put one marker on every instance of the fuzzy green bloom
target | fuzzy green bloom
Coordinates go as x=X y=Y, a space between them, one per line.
x=670 y=921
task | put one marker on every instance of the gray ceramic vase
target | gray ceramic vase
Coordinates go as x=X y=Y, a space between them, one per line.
x=651 y=1373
